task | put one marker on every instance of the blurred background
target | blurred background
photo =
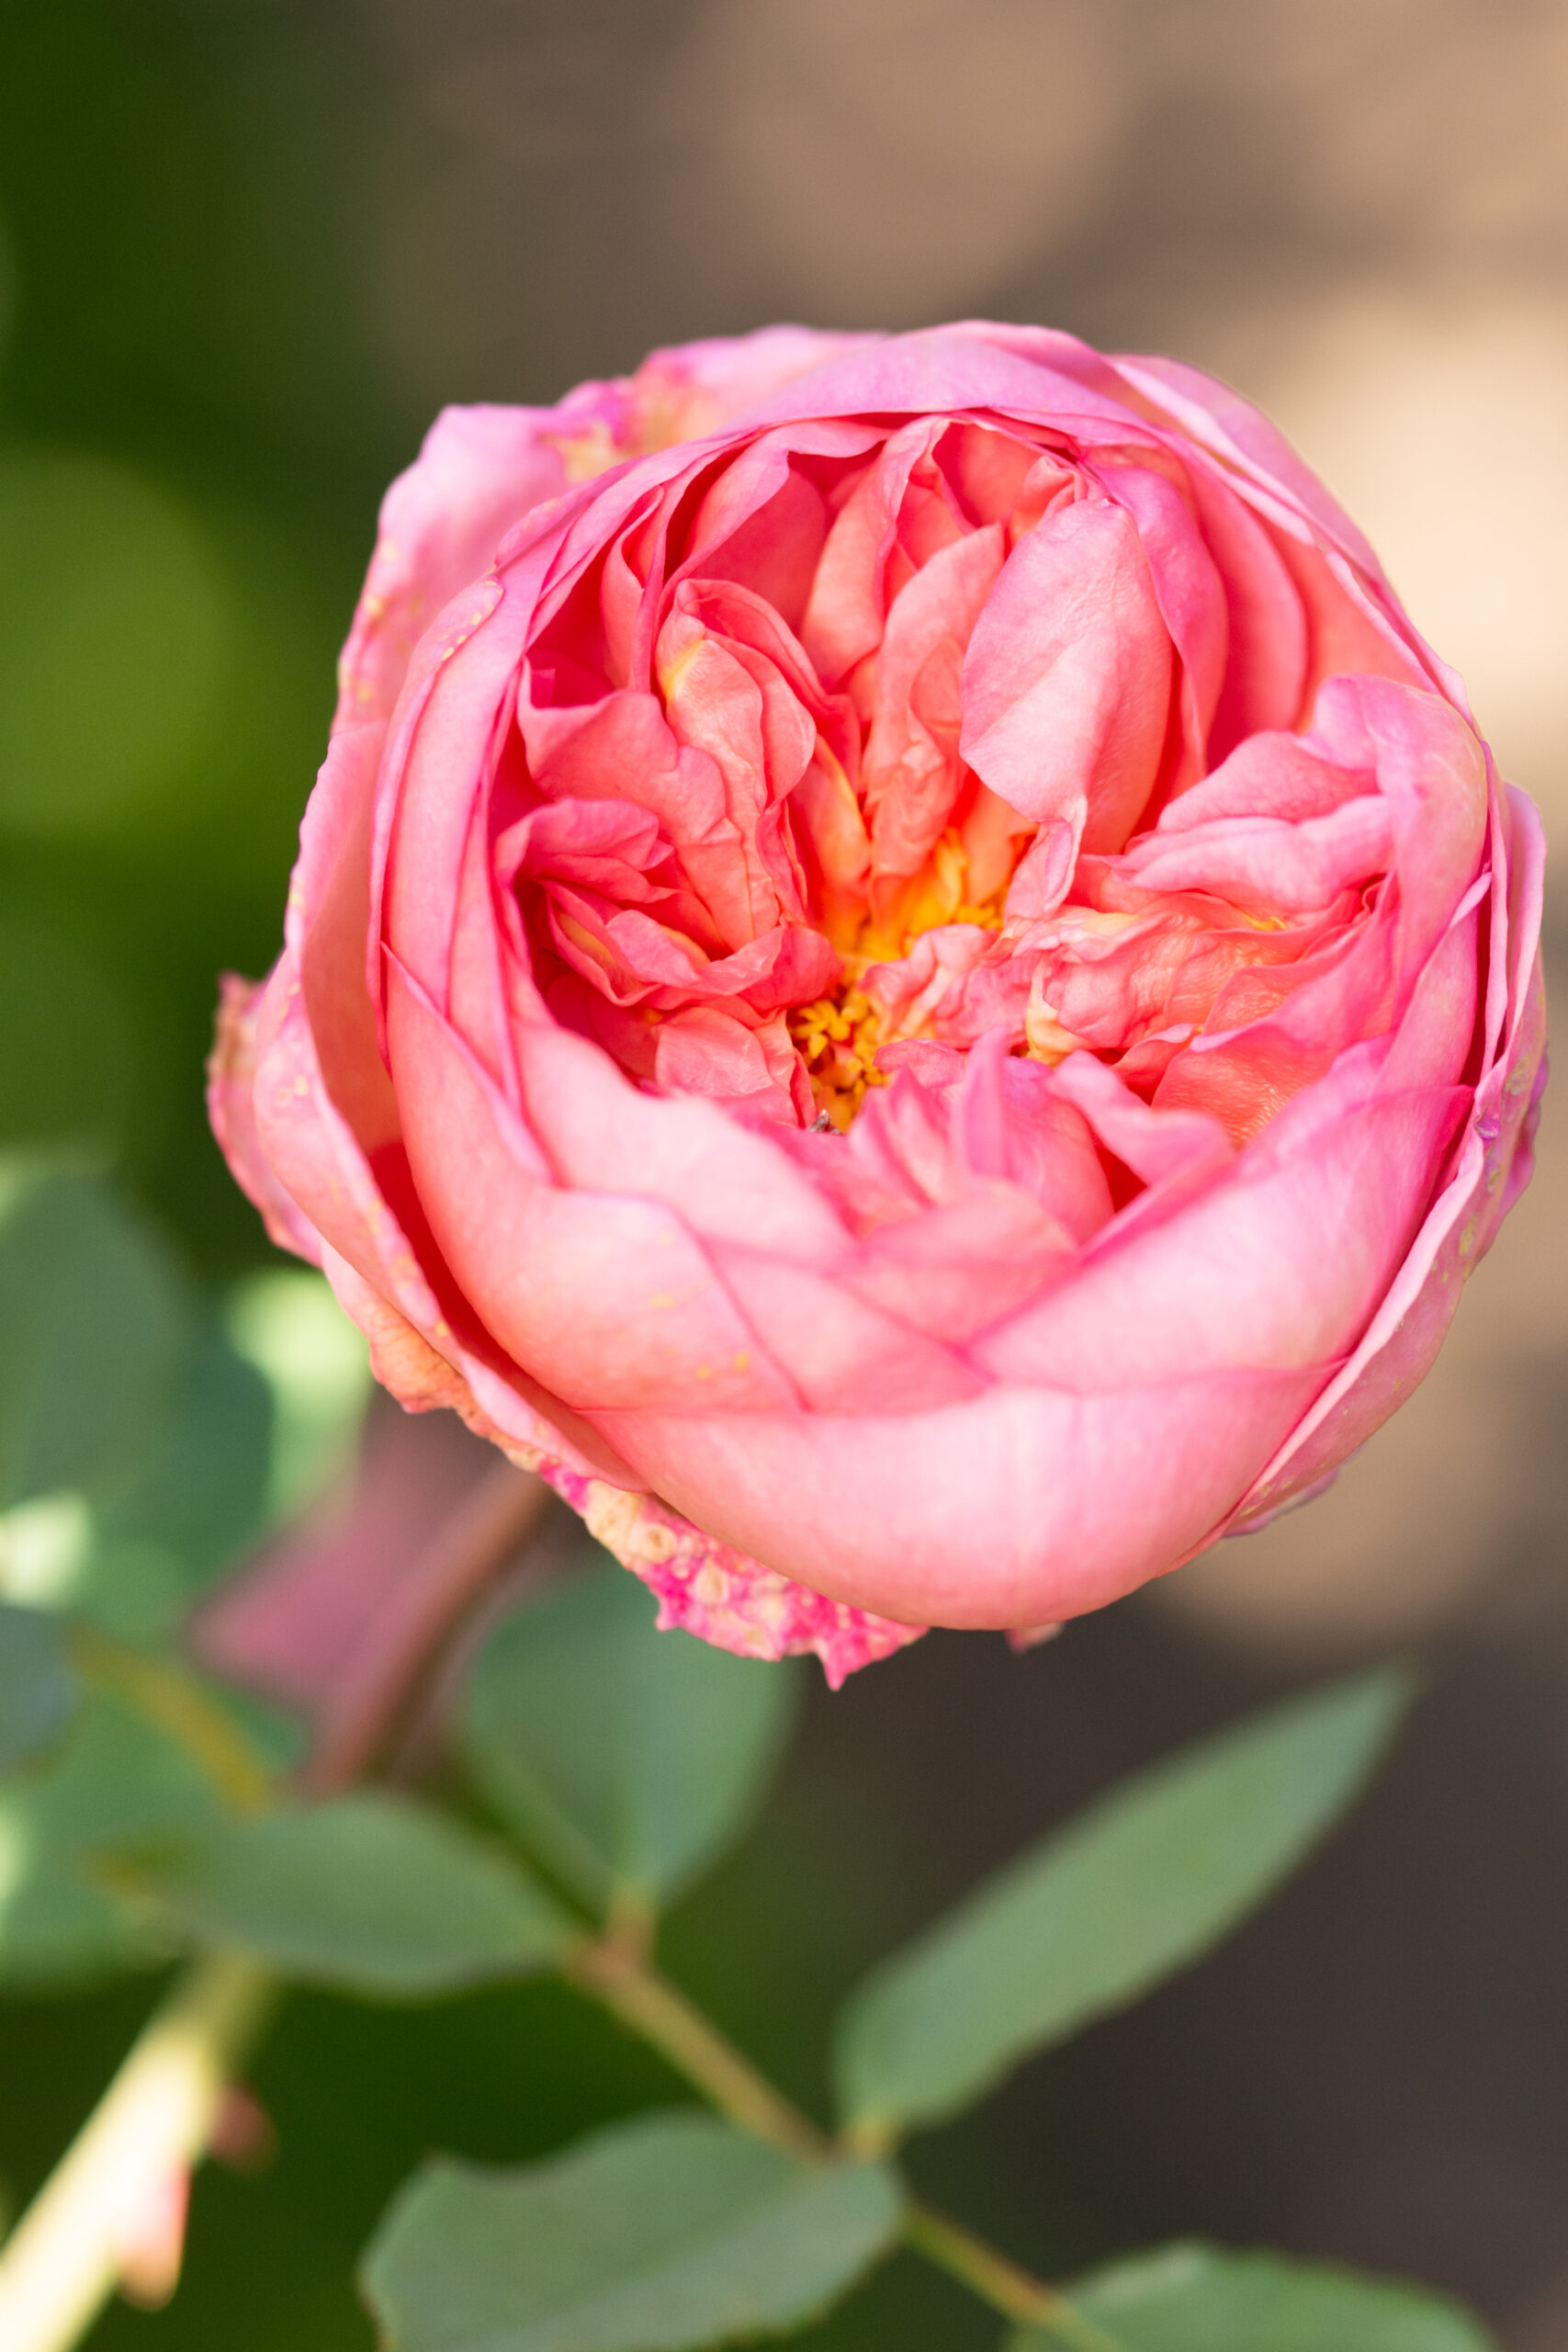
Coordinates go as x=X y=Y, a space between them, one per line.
x=246 y=248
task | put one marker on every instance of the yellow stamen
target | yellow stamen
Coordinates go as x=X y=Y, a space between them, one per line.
x=839 y=1035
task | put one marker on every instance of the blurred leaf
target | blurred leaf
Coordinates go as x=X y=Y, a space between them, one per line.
x=44 y=1549
x=1101 y=1912
x=93 y=1318
x=161 y=1523
x=280 y=1740
x=672 y=2231
x=372 y=1891
x=1199 y=2298
x=286 y=1323
x=627 y=1758
x=197 y=1492
x=117 y=1782
x=37 y=1689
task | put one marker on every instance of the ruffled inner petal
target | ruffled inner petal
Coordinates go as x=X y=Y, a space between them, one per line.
x=957 y=736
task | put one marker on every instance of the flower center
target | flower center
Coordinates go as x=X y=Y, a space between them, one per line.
x=838 y=1034
x=837 y=1039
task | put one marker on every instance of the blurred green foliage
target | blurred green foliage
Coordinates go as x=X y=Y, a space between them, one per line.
x=625 y=1761
x=1195 y=2297
x=374 y=1891
x=676 y=2230
x=193 y=437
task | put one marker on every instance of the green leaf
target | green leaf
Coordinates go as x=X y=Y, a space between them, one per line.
x=627 y=1758
x=197 y=1494
x=668 y=2232
x=373 y=1893
x=37 y=1689
x=135 y=1555
x=1200 y=2299
x=1137 y=1886
x=117 y=1783
x=289 y=1328
x=93 y=1317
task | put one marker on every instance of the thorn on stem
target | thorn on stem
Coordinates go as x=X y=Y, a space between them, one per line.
x=244 y=2136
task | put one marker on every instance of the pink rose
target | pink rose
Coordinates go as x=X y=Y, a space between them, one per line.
x=903 y=973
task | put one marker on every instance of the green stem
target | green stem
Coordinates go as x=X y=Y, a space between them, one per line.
x=60 y=2264
x=488 y=1528
x=83 y=2232
x=171 y=1697
x=1003 y=2283
x=653 y=2009
x=617 y=1974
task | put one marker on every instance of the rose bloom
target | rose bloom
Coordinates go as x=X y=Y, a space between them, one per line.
x=904 y=974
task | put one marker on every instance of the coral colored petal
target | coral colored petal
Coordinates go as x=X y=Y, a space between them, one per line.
x=231 y=1106
x=607 y=1301
x=1279 y=1261
x=1066 y=680
x=706 y=1588
x=1020 y=1506
x=478 y=472
x=842 y=1351
x=601 y=1132
x=690 y=389
x=1404 y=1337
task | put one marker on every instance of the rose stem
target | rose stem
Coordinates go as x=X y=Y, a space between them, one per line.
x=491 y=1522
x=173 y=1698
x=61 y=2263
x=1008 y=2289
x=618 y=1976
x=662 y=2015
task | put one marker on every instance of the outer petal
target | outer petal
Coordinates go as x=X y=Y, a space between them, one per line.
x=703 y=1585
x=688 y=390
x=1257 y=459
x=605 y=1299
x=960 y=370
x=1494 y=1166
x=478 y=472
x=1279 y=1261
x=231 y=1107
x=1021 y=1507
x=708 y=1588
x=1222 y=419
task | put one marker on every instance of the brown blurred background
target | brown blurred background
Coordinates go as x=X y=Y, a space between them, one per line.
x=252 y=244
